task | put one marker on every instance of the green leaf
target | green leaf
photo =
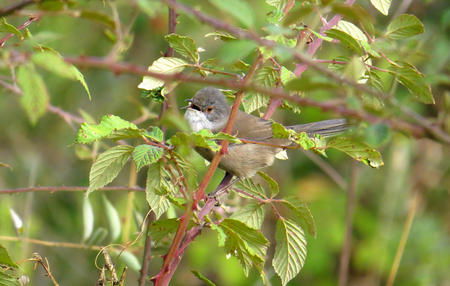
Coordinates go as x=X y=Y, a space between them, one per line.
x=302 y=214
x=290 y=251
x=8 y=28
x=382 y=5
x=160 y=229
x=113 y=218
x=357 y=150
x=273 y=185
x=158 y=185
x=203 y=138
x=108 y=128
x=185 y=46
x=302 y=139
x=247 y=244
x=107 y=166
x=163 y=65
x=205 y=280
x=35 y=96
x=224 y=36
x=404 y=26
x=5 y=259
x=250 y=187
x=9 y=280
x=305 y=83
x=233 y=51
x=253 y=101
x=414 y=81
x=252 y=214
x=346 y=40
x=88 y=219
x=144 y=155
x=240 y=10
x=129 y=259
x=55 y=63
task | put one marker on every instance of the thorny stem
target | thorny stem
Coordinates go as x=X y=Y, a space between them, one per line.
x=17 y=6
x=171 y=261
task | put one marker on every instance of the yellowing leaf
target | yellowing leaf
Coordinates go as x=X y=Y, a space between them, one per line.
x=163 y=65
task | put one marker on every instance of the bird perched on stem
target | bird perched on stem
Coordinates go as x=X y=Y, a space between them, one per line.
x=208 y=109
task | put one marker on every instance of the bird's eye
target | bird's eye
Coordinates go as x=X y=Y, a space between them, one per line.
x=209 y=109
x=193 y=106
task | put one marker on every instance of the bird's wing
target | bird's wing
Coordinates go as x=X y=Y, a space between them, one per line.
x=250 y=127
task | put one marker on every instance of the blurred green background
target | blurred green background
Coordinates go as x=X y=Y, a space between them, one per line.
x=44 y=155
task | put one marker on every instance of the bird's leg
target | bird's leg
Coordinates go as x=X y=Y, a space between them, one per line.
x=223 y=186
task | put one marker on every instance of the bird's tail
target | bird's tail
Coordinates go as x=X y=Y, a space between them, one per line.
x=326 y=128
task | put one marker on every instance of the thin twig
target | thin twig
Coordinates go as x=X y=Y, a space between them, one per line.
x=346 y=249
x=147 y=253
x=54 y=189
x=118 y=68
x=404 y=238
x=38 y=259
x=51 y=243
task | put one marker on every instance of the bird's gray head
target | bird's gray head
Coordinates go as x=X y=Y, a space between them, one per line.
x=208 y=109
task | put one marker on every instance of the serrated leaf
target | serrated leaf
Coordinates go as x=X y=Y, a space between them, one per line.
x=382 y=5
x=247 y=244
x=8 y=280
x=253 y=101
x=163 y=65
x=55 y=63
x=233 y=51
x=250 y=187
x=88 y=219
x=404 y=26
x=414 y=81
x=107 y=166
x=156 y=134
x=357 y=14
x=8 y=28
x=302 y=214
x=113 y=218
x=301 y=138
x=35 y=96
x=144 y=155
x=108 y=126
x=240 y=10
x=5 y=259
x=273 y=185
x=203 y=278
x=252 y=214
x=129 y=259
x=290 y=251
x=346 y=40
x=203 y=138
x=185 y=46
x=357 y=150
x=157 y=186
x=160 y=229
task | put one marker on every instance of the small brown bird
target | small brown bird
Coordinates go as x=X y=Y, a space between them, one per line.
x=208 y=109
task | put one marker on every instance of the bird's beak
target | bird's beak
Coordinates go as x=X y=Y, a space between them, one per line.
x=187 y=106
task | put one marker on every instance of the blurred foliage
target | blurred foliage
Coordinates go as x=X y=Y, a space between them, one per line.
x=37 y=145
